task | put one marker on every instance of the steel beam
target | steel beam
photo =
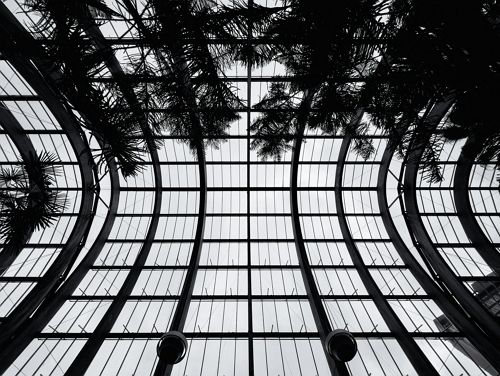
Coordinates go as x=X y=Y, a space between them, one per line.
x=441 y=297
x=54 y=302
x=466 y=215
x=477 y=313
x=419 y=361
x=318 y=310
x=86 y=355
x=243 y=335
x=14 y=33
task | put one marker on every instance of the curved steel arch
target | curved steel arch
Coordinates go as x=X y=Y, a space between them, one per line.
x=84 y=358
x=442 y=298
x=14 y=31
x=317 y=307
x=54 y=302
x=417 y=358
x=182 y=307
x=466 y=215
x=181 y=311
x=92 y=346
x=479 y=315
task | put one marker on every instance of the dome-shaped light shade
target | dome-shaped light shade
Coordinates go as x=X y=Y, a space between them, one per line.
x=172 y=347
x=341 y=345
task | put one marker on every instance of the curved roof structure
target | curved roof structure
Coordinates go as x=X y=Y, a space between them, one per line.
x=255 y=261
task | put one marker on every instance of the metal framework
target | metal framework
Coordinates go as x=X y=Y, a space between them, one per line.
x=256 y=262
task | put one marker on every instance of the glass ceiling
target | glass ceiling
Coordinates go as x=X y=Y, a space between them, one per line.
x=214 y=247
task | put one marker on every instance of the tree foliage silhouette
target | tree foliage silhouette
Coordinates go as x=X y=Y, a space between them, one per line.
x=74 y=62
x=326 y=50
x=197 y=105
x=29 y=200
x=392 y=60
x=442 y=47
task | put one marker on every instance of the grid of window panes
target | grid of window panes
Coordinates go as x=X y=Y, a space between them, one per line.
x=249 y=313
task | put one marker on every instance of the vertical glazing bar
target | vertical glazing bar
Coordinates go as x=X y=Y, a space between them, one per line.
x=251 y=366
